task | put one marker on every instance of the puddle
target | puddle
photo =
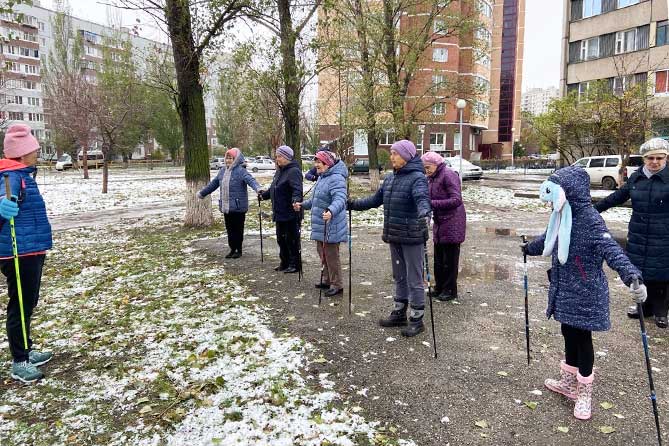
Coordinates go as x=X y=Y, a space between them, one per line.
x=489 y=271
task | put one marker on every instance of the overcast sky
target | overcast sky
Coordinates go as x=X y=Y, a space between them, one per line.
x=543 y=24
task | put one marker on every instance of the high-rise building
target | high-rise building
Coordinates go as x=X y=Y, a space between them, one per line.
x=26 y=38
x=620 y=41
x=536 y=100
x=488 y=119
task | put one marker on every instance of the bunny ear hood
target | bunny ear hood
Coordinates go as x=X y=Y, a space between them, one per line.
x=560 y=222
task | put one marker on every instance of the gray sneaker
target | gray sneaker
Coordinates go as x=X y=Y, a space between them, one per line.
x=26 y=372
x=39 y=358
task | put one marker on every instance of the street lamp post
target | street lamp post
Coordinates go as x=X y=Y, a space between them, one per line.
x=461 y=104
x=513 y=130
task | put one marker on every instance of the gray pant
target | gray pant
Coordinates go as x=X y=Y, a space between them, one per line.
x=408 y=274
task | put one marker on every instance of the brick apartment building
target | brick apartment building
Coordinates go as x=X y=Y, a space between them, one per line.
x=488 y=120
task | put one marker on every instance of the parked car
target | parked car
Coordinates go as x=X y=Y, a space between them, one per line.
x=64 y=162
x=603 y=170
x=469 y=170
x=308 y=158
x=261 y=164
x=95 y=158
x=216 y=162
x=361 y=165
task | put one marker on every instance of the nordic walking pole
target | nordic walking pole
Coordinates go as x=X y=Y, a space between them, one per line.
x=429 y=292
x=299 y=245
x=350 y=260
x=644 y=339
x=262 y=257
x=320 y=288
x=527 y=317
x=15 y=250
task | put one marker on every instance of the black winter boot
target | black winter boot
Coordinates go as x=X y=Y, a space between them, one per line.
x=397 y=318
x=415 y=323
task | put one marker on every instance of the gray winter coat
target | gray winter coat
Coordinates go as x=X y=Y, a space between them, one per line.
x=238 y=197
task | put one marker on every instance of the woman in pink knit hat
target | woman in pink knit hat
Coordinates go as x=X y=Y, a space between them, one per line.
x=33 y=235
x=448 y=214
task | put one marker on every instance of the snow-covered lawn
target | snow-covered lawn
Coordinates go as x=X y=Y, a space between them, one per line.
x=155 y=345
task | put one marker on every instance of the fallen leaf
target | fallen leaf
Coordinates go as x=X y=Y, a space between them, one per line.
x=563 y=429
x=607 y=429
x=531 y=404
x=290 y=318
x=390 y=339
x=502 y=373
x=483 y=424
x=320 y=360
x=145 y=409
x=606 y=405
x=536 y=392
x=619 y=416
x=445 y=420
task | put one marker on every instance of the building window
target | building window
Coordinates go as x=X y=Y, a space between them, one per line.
x=41 y=26
x=662 y=35
x=440 y=54
x=622 y=84
x=626 y=41
x=482 y=85
x=437 y=141
x=31 y=69
x=439 y=27
x=484 y=35
x=590 y=49
x=481 y=109
x=591 y=8
x=15 y=116
x=14 y=99
x=33 y=101
x=623 y=3
x=583 y=89
x=13 y=66
x=438 y=108
x=484 y=60
x=485 y=8
x=457 y=142
x=661 y=82
x=438 y=80
x=387 y=138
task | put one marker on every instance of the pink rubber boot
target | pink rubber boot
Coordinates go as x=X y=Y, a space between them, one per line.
x=566 y=385
x=583 y=407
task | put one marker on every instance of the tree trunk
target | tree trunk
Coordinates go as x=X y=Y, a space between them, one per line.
x=191 y=111
x=397 y=99
x=84 y=159
x=105 y=171
x=290 y=80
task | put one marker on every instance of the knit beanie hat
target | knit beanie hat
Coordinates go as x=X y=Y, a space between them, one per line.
x=404 y=148
x=326 y=157
x=432 y=158
x=234 y=152
x=19 y=141
x=655 y=146
x=285 y=152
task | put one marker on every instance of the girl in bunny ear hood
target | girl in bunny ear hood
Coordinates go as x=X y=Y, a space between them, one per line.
x=578 y=242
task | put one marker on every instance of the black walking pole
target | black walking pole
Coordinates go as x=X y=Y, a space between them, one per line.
x=299 y=245
x=527 y=317
x=350 y=260
x=320 y=287
x=644 y=339
x=262 y=257
x=429 y=293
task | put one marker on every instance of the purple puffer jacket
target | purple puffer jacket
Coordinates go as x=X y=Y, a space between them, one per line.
x=448 y=210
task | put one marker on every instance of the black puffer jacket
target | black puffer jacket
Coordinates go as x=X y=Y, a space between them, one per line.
x=406 y=202
x=648 y=234
x=285 y=190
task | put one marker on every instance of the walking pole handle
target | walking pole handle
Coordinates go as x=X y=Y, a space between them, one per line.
x=8 y=188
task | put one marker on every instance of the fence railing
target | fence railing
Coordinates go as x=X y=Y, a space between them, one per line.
x=527 y=165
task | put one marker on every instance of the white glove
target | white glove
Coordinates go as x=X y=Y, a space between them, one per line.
x=639 y=292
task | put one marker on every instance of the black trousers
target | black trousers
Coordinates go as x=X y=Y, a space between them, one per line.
x=658 y=299
x=287 y=236
x=446 y=262
x=234 y=225
x=30 y=268
x=578 y=349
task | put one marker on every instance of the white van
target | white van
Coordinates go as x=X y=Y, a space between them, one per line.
x=94 y=158
x=603 y=170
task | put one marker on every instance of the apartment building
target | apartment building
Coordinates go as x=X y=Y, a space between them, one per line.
x=536 y=100
x=26 y=38
x=488 y=118
x=620 y=41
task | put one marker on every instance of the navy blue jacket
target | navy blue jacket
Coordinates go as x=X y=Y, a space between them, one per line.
x=406 y=202
x=579 y=290
x=329 y=193
x=238 y=197
x=285 y=190
x=648 y=233
x=33 y=230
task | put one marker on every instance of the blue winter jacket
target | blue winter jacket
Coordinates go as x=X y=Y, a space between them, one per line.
x=33 y=230
x=285 y=190
x=648 y=234
x=579 y=290
x=238 y=196
x=406 y=202
x=329 y=193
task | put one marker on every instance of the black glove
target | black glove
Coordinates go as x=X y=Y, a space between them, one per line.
x=523 y=248
x=260 y=192
x=349 y=204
